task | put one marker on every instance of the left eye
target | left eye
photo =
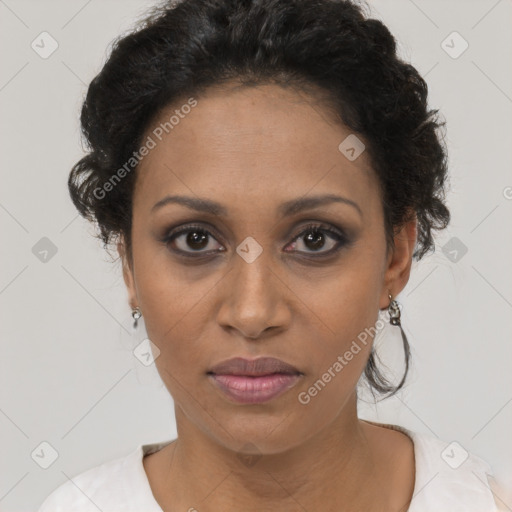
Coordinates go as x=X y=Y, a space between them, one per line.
x=314 y=238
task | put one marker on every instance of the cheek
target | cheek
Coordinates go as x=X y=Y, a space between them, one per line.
x=338 y=358
x=181 y=359
x=176 y=321
x=346 y=299
x=342 y=318
x=174 y=315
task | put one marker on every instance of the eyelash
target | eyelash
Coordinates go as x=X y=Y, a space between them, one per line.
x=338 y=236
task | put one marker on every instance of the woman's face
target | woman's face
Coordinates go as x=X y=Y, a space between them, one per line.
x=254 y=281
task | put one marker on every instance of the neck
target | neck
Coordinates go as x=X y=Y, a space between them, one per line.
x=204 y=474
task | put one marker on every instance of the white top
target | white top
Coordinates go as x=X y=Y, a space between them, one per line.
x=448 y=479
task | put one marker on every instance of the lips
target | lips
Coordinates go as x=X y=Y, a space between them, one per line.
x=253 y=367
x=254 y=381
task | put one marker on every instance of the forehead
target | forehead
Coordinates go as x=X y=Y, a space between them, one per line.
x=247 y=145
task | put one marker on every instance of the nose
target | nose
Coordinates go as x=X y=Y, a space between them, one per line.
x=254 y=298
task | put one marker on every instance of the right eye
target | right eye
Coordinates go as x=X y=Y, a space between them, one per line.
x=191 y=240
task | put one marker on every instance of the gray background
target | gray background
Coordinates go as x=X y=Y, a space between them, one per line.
x=68 y=375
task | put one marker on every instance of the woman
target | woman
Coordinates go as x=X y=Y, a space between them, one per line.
x=268 y=170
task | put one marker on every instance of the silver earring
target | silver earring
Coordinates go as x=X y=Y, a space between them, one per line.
x=394 y=311
x=136 y=314
x=394 y=319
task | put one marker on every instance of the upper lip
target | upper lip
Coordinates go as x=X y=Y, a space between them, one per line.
x=253 y=367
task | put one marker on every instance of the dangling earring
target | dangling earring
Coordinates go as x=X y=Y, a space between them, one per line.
x=136 y=314
x=394 y=319
x=394 y=311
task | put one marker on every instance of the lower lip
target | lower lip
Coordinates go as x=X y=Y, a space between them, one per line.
x=254 y=390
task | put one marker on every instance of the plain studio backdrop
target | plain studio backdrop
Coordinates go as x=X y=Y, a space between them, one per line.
x=71 y=387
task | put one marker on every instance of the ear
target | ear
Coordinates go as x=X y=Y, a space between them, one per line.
x=399 y=261
x=127 y=274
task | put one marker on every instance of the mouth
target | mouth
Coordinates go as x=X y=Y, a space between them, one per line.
x=254 y=381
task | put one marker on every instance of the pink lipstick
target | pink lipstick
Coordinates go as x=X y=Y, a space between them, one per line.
x=254 y=381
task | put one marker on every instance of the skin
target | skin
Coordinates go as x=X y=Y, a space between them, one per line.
x=251 y=149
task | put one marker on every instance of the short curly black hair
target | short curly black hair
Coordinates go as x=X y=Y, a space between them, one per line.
x=181 y=48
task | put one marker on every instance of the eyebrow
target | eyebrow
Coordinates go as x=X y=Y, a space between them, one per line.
x=286 y=209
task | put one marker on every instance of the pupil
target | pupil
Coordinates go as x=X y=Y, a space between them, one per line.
x=197 y=239
x=316 y=240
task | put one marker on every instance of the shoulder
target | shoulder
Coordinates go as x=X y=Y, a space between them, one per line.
x=104 y=487
x=450 y=477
